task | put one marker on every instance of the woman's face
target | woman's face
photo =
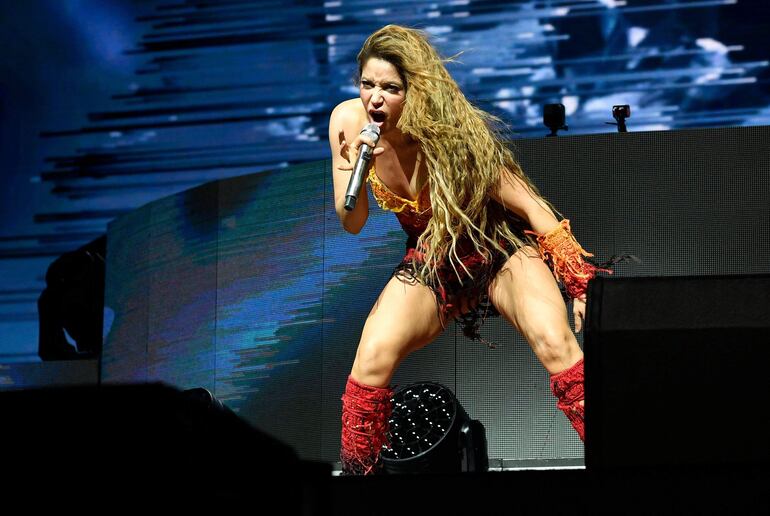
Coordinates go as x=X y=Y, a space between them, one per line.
x=382 y=92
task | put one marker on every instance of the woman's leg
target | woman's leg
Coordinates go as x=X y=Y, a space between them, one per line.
x=403 y=319
x=526 y=294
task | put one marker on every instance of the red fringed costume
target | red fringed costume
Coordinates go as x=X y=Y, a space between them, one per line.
x=564 y=255
x=365 y=414
x=567 y=386
x=452 y=290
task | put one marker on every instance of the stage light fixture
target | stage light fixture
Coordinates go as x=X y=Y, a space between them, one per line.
x=430 y=432
x=554 y=118
x=620 y=113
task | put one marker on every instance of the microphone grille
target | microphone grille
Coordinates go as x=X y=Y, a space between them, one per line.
x=372 y=131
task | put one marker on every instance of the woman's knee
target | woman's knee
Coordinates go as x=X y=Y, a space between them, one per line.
x=376 y=361
x=555 y=346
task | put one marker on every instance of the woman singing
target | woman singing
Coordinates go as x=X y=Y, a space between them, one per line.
x=480 y=237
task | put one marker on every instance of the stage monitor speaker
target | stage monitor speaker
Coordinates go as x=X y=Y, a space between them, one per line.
x=139 y=442
x=71 y=307
x=677 y=372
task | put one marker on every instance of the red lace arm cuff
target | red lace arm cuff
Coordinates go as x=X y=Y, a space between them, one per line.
x=564 y=255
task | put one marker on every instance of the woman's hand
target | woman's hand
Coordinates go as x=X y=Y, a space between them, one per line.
x=349 y=152
x=579 y=311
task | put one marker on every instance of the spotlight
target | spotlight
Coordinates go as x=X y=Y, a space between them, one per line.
x=430 y=432
x=620 y=113
x=553 y=118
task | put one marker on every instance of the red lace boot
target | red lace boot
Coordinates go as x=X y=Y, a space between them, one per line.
x=567 y=386
x=365 y=414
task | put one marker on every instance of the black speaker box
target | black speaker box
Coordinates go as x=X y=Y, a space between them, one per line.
x=677 y=372
x=142 y=442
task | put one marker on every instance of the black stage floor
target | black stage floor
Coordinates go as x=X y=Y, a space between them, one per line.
x=312 y=490
x=670 y=491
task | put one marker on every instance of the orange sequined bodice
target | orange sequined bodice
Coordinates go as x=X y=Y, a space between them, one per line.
x=413 y=215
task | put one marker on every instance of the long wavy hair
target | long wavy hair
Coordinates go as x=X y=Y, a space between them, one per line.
x=463 y=149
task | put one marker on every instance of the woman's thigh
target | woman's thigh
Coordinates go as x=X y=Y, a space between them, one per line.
x=527 y=295
x=403 y=319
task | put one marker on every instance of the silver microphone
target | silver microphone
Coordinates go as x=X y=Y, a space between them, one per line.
x=372 y=131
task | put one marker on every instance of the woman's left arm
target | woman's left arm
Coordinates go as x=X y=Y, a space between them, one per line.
x=515 y=195
x=558 y=247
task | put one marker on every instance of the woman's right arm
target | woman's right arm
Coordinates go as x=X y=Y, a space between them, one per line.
x=341 y=131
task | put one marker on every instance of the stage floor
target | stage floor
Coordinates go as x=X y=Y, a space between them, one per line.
x=564 y=491
x=313 y=489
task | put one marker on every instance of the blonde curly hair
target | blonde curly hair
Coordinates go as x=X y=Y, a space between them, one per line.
x=463 y=149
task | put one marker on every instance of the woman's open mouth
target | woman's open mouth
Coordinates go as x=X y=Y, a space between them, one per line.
x=378 y=117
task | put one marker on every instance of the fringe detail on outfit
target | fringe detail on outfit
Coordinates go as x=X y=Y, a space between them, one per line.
x=566 y=258
x=365 y=414
x=568 y=387
x=452 y=290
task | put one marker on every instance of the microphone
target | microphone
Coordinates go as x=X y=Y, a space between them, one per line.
x=362 y=165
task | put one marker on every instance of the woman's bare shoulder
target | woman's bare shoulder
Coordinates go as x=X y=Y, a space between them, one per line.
x=348 y=112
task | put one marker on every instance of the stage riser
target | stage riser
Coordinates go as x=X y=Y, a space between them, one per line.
x=692 y=391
